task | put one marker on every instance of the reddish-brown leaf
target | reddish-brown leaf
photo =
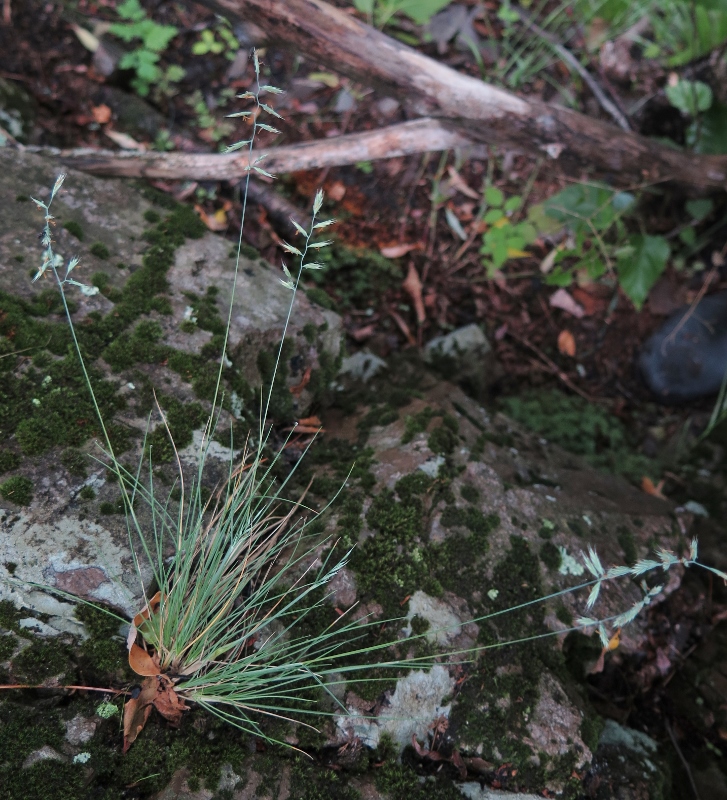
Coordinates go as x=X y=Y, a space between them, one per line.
x=168 y=703
x=297 y=390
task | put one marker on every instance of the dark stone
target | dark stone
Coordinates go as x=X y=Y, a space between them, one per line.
x=687 y=357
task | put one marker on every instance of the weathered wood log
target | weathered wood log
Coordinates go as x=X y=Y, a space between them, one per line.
x=417 y=136
x=479 y=110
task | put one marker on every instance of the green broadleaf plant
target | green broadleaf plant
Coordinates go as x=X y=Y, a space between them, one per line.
x=152 y=39
x=223 y=630
x=600 y=242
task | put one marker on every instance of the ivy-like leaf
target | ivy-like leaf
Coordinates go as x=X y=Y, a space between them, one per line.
x=640 y=271
x=690 y=97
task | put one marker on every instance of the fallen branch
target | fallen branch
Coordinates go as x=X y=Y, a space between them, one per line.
x=418 y=136
x=479 y=110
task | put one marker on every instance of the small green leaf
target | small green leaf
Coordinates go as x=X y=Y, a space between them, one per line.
x=158 y=37
x=699 y=209
x=688 y=236
x=364 y=6
x=638 y=272
x=513 y=204
x=316 y=245
x=268 y=128
x=175 y=73
x=493 y=216
x=493 y=196
x=420 y=11
x=131 y=9
x=265 y=88
x=690 y=97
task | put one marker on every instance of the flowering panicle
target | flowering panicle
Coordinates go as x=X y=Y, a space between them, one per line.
x=664 y=560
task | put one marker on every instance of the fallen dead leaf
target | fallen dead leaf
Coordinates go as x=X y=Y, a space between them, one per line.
x=366 y=332
x=168 y=703
x=141 y=662
x=137 y=710
x=413 y=287
x=403 y=327
x=124 y=141
x=215 y=222
x=564 y=301
x=613 y=643
x=86 y=38
x=155 y=692
x=566 y=343
x=397 y=250
x=459 y=183
x=297 y=390
x=102 y=113
x=647 y=485
x=336 y=191
x=591 y=298
x=150 y=608
x=547 y=264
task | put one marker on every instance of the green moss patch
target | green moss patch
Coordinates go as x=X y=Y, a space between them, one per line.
x=356 y=278
x=74 y=228
x=18 y=490
x=582 y=428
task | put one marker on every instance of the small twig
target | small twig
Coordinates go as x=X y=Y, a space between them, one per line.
x=692 y=308
x=609 y=107
x=681 y=758
x=43 y=686
x=553 y=367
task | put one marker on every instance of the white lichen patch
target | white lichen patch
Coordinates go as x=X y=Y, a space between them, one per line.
x=568 y=564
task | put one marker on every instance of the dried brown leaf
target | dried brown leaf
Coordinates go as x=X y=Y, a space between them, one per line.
x=141 y=662
x=297 y=390
x=567 y=343
x=168 y=703
x=137 y=710
x=413 y=287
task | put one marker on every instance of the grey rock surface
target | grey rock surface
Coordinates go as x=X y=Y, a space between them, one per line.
x=60 y=540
